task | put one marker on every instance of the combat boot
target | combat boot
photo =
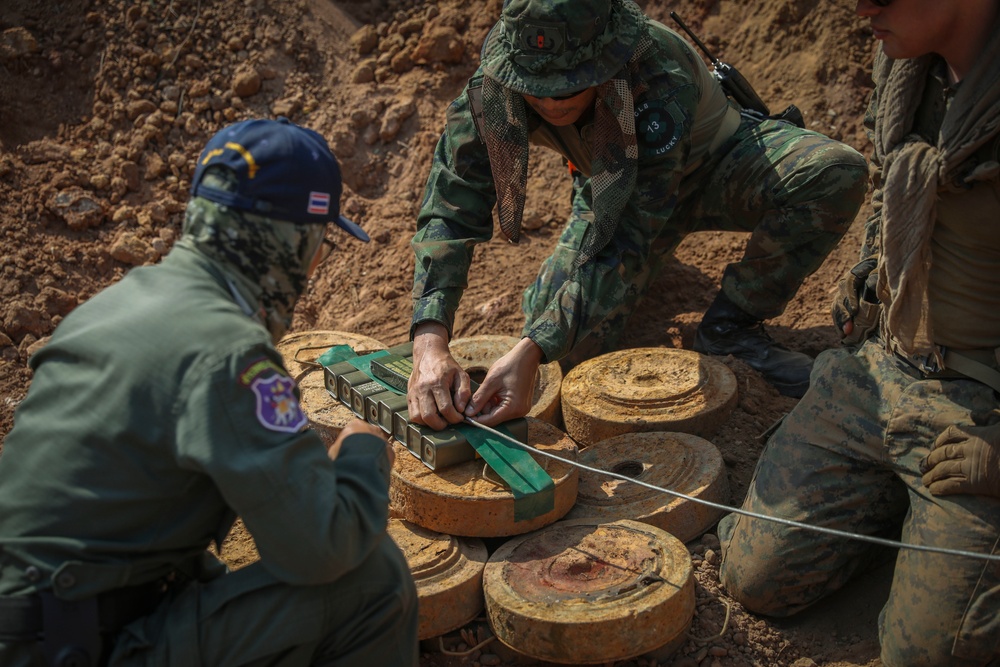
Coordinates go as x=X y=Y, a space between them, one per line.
x=727 y=329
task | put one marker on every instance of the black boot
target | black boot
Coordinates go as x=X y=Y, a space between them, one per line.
x=727 y=329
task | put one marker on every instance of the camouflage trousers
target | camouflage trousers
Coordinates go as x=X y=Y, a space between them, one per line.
x=794 y=190
x=848 y=457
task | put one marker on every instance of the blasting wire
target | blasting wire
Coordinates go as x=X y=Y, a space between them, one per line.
x=785 y=522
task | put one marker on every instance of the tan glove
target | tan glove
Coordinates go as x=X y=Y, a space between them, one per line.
x=855 y=309
x=965 y=459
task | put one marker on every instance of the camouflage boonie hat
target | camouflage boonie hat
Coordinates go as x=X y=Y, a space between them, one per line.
x=550 y=48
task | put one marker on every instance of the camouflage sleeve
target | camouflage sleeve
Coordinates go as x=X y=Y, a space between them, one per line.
x=578 y=302
x=455 y=215
x=872 y=246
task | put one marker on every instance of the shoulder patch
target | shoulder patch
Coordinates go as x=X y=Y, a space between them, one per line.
x=659 y=126
x=262 y=365
x=278 y=408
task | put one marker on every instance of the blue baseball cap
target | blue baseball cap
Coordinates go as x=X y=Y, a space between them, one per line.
x=282 y=170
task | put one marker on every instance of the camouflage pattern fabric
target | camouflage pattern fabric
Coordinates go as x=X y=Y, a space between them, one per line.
x=549 y=48
x=796 y=190
x=848 y=457
x=266 y=258
x=615 y=152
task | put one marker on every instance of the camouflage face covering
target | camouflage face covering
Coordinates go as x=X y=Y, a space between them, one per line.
x=267 y=257
x=615 y=151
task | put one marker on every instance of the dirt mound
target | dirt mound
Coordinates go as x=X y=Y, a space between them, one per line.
x=105 y=104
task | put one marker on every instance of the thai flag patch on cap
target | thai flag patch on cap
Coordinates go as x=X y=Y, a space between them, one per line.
x=319 y=203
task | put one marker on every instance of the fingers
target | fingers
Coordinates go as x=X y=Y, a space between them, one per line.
x=461 y=391
x=498 y=415
x=434 y=408
x=495 y=403
x=438 y=388
x=951 y=435
x=493 y=411
x=941 y=454
x=946 y=478
x=944 y=469
x=360 y=426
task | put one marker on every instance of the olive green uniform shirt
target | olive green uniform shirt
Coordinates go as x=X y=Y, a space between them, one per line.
x=158 y=412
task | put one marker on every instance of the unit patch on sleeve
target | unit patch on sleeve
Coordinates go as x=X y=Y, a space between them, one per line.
x=659 y=125
x=278 y=408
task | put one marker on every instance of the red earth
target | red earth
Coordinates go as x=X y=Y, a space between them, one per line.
x=105 y=105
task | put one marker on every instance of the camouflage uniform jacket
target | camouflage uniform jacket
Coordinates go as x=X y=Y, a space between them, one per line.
x=158 y=412
x=680 y=113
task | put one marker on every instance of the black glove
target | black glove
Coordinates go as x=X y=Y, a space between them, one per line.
x=965 y=459
x=856 y=301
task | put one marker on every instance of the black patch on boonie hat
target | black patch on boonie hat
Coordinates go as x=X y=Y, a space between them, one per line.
x=541 y=37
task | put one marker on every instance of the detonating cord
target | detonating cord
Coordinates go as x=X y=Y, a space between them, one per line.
x=785 y=522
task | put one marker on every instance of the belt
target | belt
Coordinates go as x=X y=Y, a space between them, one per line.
x=21 y=616
x=980 y=365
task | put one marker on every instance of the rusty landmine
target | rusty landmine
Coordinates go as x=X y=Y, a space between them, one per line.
x=680 y=462
x=470 y=499
x=646 y=389
x=475 y=354
x=585 y=592
x=299 y=352
x=448 y=572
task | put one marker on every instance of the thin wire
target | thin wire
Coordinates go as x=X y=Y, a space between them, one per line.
x=785 y=522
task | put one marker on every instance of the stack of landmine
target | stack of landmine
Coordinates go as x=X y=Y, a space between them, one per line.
x=582 y=582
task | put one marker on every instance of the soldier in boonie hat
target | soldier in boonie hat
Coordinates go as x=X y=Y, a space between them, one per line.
x=552 y=49
x=656 y=151
x=160 y=411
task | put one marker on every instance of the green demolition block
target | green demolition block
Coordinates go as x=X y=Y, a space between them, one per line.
x=394 y=370
x=387 y=408
x=518 y=429
x=372 y=403
x=414 y=436
x=330 y=375
x=403 y=350
x=348 y=380
x=359 y=393
x=400 y=422
x=440 y=449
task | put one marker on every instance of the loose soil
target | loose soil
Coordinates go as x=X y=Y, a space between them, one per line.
x=105 y=105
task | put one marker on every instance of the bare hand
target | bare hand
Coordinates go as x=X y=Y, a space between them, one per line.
x=508 y=388
x=439 y=389
x=965 y=459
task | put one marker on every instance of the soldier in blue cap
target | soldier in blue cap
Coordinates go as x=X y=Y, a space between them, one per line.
x=657 y=151
x=160 y=411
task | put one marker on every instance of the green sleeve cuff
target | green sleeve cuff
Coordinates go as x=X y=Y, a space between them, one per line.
x=435 y=308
